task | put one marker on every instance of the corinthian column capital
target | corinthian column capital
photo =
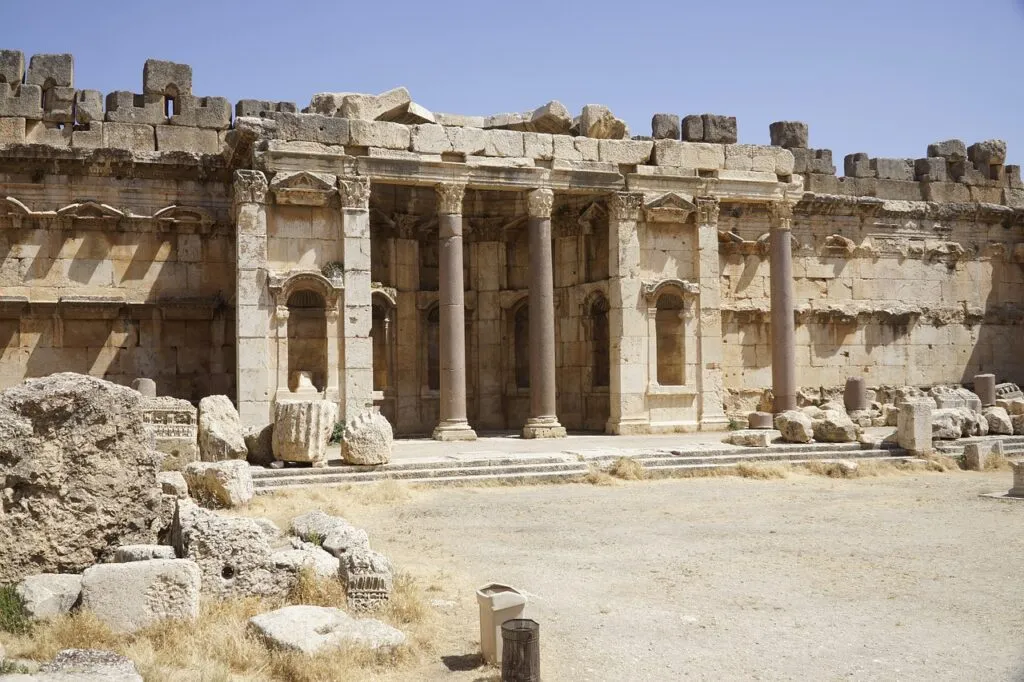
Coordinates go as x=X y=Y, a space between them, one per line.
x=355 y=193
x=539 y=203
x=449 y=198
x=707 y=210
x=626 y=205
x=780 y=213
x=250 y=187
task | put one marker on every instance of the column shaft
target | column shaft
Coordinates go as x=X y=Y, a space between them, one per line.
x=709 y=365
x=783 y=325
x=543 y=422
x=452 y=301
x=357 y=372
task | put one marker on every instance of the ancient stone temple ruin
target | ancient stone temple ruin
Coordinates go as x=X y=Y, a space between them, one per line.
x=531 y=272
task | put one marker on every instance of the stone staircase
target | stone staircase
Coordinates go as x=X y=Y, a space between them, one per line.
x=564 y=466
x=1013 y=446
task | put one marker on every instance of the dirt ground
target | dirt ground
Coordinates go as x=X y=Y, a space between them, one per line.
x=908 y=577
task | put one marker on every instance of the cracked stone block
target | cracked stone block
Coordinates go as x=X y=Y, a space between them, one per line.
x=49 y=70
x=202 y=112
x=551 y=118
x=128 y=107
x=59 y=105
x=931 y=169
x=131 y=136
x=12 y=66
x=88 y=106
x=25 y=101
x=693 y=128
x=893 y=169
x=719 y=129
x=597 y=121
x=166 y=78
x=312 y=128
x=951 y=150
x=373 y=107
x=858 y=166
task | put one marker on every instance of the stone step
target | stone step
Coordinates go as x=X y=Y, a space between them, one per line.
x=261 y=472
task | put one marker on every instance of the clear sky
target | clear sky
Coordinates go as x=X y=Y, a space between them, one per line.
x=881 y=76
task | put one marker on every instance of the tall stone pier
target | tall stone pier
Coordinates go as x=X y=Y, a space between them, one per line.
x=783 y=325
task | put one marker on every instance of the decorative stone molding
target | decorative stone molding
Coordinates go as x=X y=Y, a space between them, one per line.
x=282 y=286
x=303 y=188
x=93 y=215
x=355 y=193
x=626 y=205
x=539 y=203
x=449 y=198
x=707 y=210
x=174 y=216
x=592 y=214
x=652 y=289
x=390 y=294
x=250 y=187
x=837 y=244
x=91 y=211
x=669 y=208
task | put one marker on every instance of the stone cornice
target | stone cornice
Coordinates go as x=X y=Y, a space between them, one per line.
x=812 y=204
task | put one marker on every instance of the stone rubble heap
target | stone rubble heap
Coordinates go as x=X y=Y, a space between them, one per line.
x=40 y=105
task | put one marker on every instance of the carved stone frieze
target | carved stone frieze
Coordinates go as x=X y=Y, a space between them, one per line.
x=303 y=188
x=355 y=193
x=669 y=208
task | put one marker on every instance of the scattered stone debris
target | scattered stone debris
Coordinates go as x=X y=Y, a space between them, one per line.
x=220 y=432
x=311 y=629
x=130 y=596
x=368 y=439
x=225 y=484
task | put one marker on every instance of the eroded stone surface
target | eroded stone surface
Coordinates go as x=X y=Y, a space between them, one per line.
x=129 y=596
x=48 y=595
x=302 y=429
x=368 y=439
x=310 y=629
x=220 y=432
x=795 y=426
x=220 y=484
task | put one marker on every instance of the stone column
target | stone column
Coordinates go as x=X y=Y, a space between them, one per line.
x=712 y=390
x=254 y=308
x=783 y=325
x=627 y=318
x=543 y=422
x=452 y=308
x=357 y=385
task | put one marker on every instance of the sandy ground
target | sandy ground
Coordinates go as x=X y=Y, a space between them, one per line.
x=901 y=577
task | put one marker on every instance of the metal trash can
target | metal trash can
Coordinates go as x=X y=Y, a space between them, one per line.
x=498 y=603
x=521 y=645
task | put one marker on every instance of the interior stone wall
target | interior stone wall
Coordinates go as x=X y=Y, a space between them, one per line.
x=898 y=300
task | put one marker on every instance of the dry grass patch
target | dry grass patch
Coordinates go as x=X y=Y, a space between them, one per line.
x=597 y=476
x=281 y=507
x=996 y=461
x=761 y=470
x=628 y=469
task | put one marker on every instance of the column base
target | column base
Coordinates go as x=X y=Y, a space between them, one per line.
x=453 y=431
x=636 y=426
x=714 y=423
x=544 y=427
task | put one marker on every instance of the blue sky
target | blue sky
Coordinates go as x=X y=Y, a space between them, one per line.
x=885 y=78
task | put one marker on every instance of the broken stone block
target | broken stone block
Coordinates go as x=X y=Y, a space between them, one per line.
x=696 y=155
x=382 y=134
x=459 y=120
x=128 y=107
x=59 y=105
x=302 y=429
x=795 y=426
x=538 y=146
x=552 y=118
x=753 y=438
x=226 y=484
x=1013 y=178
x=374 y=107
x=262 y=108
x=998 y=421
x=88 y=106
x=946 y=192
x=46 y=596
x=503 y=143
x=368 y=439
x=1018 y=480
x=128 y=553
x=191 y=140
x=88 y=665
x=597 y=121
x=368 y=580
x=49 y=70
x=12 y=67
x=789 y=134
x=510 y=121
x=220 y=431
x=171 y=421
x=719 y=129
x=173 y=483
x=858 y=166
x=202 y=112
x=131 y=596
x=930 y=169
x=24 y=101
x=665 y=127
x=333 y=533
x=914 y=426
x=817 y=161
x=311 y=629
x=166 y=79
x=987 y=153
x=893 y=169
x=693 y=128
x=951 y=150
x=413 y=114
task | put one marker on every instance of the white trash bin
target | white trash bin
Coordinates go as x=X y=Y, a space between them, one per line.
x=498 y=603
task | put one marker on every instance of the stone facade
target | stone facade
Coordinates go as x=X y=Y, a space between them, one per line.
x=472 y=274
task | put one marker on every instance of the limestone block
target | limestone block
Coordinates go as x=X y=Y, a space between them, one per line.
x=128 y=553
x=311 y=128
x=37 y=132
x=368 y=580
x=503 y=143
x=311 y=629
x=259 y=441
x=46 y=596
x=192 y=140
x=951 y=150
x=947 y=424
x=893 y=169
x=597 y=121
x=575 y=148
x=364 y=133
x=998 y=421
x=202 y=112
x=977 y=454
x=59 y=105
x=898 y=190
x=12 y=66
x=172 y=424
x=552 y=118
x=262 y=108
x=914 y=426
x=835 y=426
x=24 y=101
x=468 y=141
x=1018 y=480
x=302 y=429
x=173 y=483
x=166 y=78
x=753 y=438
x=858 y=166
x=946 y=192
x=789 y=134
x=508 y=121
x=795 y=426
x=630 y=152
x=336 y=535
x=1013 y=406
x=1018 y=424
x=931 y=169
x=987 y=153
x=430 y=139
x=85 y=665
x=128 y=107
x=693 y=128
x=374 y=107
x=665 y=127
x=459 y=120
x=1014 y=198
x=225 y=484
x=49 y=70
x=368 y=439
x=719 y=129
x=696 y=155
x=220 y=432
x=128 y=597
x=307 y=556
x=413 y=114
x=88 y=106
x=326 y=103
x=12 y=131
x=538 y=146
